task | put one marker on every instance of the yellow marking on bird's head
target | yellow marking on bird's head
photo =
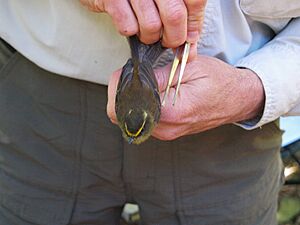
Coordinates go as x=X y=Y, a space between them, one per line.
x=139 y=130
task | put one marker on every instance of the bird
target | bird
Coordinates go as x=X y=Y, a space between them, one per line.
x=138 y=105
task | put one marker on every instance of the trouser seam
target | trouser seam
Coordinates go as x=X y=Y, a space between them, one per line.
x=177 y=186
x=79 y=146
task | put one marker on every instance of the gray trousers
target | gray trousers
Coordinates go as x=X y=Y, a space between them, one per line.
x=63 y=162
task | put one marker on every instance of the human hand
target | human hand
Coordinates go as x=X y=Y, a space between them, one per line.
x=173 y=21
x=212 y=94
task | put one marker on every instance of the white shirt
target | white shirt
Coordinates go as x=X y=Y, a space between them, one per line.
x=263 y=35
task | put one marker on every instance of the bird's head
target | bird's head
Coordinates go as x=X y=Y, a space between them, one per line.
x=138 y=125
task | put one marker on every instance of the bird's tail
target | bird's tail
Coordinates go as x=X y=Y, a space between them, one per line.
x=141 y=52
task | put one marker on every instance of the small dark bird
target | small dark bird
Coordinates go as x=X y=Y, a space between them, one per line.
x=137 y=99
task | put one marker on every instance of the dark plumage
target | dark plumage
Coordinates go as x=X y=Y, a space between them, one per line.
x=137 y=98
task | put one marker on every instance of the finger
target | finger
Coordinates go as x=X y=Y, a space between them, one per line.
x=168 y=132
x=93 y=5
x=193 y=52
x=164 y=134
x=195 y=19
x=173 y=14
x=148 y=19
x=123 y=16
x=111 y=93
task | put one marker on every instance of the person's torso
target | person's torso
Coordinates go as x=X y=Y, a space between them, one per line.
x=65 y=38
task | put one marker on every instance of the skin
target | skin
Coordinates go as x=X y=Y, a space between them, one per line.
x=212 y=93
x=153 y=20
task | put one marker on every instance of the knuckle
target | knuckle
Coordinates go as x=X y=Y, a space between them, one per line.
x=117 y=14
x=195 y=4
x=99 y=5
x=150 y=31
x=153 y=26
x=194 y=20
x=176 y=15
x=127 y=30
x=122 y=21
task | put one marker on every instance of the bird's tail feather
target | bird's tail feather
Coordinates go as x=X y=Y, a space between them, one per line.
x=141 y=52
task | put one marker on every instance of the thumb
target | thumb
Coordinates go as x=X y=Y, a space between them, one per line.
x=111 y=94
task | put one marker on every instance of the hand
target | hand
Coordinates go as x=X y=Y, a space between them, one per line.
x=176 y=20
x=212 y=94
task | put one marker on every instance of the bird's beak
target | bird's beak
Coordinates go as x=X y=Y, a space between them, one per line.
x=130 y=140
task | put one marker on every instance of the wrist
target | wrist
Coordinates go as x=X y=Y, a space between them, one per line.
x=251 y=94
